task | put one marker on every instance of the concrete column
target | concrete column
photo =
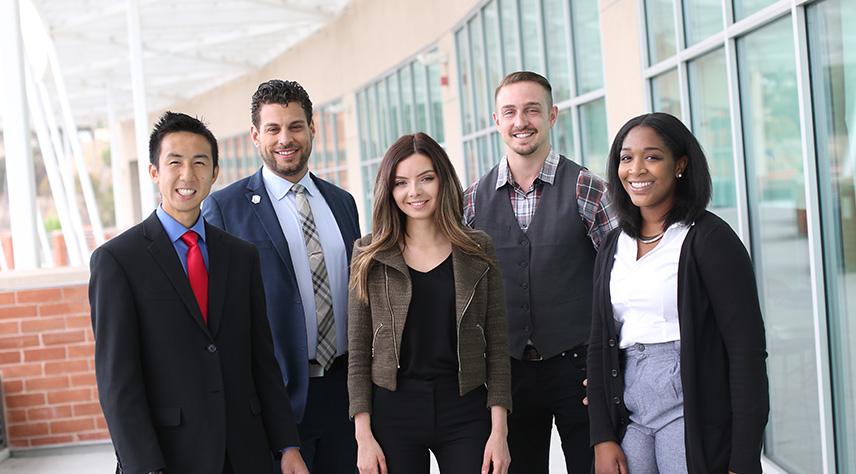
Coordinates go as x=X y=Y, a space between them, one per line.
x=141 y=121
x=16 y=134
x=622 y=45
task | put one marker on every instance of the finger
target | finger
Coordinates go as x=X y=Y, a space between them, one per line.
x=485 y=462
x=382 y=462
x=622 y=466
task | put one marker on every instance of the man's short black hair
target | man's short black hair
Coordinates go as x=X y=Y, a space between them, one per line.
x=171 y=122
x=276 y=91
x=692 y=190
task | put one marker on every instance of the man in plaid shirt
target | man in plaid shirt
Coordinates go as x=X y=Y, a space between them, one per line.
x=547 y=216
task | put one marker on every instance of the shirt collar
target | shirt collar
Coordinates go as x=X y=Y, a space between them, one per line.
x=174 y=229
x=278 y=186
x=546 y=175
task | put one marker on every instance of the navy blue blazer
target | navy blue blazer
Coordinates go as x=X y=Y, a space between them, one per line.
x=244 y=209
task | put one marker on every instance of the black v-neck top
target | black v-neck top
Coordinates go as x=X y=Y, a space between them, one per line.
x=429 y=342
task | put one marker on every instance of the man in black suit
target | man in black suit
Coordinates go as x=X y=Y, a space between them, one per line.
x=184 y=360
x=304 y=228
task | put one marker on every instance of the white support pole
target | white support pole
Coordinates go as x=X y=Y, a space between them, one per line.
x=75 y=235
x=47 y=252
x=121 y=198
x=71 y=134
x=16 y=133
x=141 y=122
x=60 y=196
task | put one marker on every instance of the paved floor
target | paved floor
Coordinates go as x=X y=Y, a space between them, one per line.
x=99 y=459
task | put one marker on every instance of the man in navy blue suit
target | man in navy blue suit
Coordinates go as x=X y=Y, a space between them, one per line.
x=304 y=228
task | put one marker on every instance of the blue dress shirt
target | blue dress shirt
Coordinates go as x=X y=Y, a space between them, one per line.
x=174 y=230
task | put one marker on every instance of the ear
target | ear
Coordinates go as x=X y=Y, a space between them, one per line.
x=312 y=126
x=495 y=119
x=254 y=135
x=554 y=115
x=153 y=173
x=681 y=165
x=216 y=174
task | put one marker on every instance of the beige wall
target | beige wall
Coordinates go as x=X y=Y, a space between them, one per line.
x=621 y=42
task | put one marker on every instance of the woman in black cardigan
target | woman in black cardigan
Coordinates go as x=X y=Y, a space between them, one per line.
x=676 y=360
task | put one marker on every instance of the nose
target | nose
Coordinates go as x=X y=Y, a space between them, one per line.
x=520 y=120
x=636 y=166
x=282 y=138
x=414 y=189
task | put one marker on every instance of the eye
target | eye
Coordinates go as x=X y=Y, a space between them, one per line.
x=625 y=158
x=400 y=182
x=272 y=131
x=508 y=113
x=652 y=158
x=428 y=178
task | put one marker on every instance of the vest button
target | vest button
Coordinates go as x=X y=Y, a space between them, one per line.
x=611 y=342
x=525 y=306
x=616 y=400
x=212 y=348
x=614 y=373
x=524 y=264
x=524 y=243
x=524 y=285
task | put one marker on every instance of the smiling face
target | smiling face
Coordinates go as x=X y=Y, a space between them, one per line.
x=284 y=139
x=524 y=117
x=648 y=170
x=416 y=187
x=184 y=174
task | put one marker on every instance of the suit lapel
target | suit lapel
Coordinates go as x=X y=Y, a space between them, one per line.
x=218 y=271
x=163 y=253
x=261 y=205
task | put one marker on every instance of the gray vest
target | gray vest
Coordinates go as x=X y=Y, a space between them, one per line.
x=547 y=270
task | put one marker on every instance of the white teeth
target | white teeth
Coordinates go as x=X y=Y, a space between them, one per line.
x=286 y=152
x=185 y=191
x=522 y=135
x=417 y=203
x=641 y=185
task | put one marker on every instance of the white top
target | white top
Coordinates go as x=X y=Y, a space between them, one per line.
x=645 y=291
x=332 y=245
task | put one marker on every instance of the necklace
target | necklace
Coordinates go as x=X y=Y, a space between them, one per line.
x=650 y=240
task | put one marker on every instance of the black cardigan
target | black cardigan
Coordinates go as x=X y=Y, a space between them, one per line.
x=723 y=352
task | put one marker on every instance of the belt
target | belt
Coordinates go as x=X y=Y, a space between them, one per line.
x=317 y=370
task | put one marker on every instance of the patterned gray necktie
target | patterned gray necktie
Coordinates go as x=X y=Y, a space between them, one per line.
x=325 y=352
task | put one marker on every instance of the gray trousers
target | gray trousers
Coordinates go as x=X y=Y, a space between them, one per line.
x=654 y=442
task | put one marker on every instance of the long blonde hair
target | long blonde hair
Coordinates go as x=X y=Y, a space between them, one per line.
x=388 y=222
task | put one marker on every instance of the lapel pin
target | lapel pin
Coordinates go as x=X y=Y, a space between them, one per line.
x=256 y=199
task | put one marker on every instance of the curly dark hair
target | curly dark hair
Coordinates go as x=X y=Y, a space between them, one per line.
x=276 y=91
x=172 y=122
x=692 y=192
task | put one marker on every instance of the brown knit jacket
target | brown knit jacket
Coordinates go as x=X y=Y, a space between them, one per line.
x=375 y=328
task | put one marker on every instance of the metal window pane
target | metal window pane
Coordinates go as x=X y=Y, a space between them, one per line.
x=558 y=62
x=660 y=21
x=420 y=90
x=702 y=18
x=406 y=84
x=588 y=63
x=563 y=134
x=832 y=52
x=594 y=136
x=665 y=93
x=510 y=35
x=436 y=94
x=776 y=190
x=394 y=106
x=744 y=8
x=383 y=117
x=479 y=70
x=711 y=123
x=493 y=48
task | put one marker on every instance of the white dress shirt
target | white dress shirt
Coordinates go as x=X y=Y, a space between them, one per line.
x=332 y=245
x=645 y=291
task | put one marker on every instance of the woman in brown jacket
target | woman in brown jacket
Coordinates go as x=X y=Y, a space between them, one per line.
x=428 y=363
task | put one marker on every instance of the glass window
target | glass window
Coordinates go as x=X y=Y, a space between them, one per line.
x=594 y=136
x=587 y=58
x=563 y=134
x=744 y=8
x=406 y=84
x=665 y=93
x=510 y=35
x=463 y=49
x=420 y=90
x=383 y=111
x=477 y=47
x=660 y=20
x=832 y=53
x=530 y=15
x=711 y=124
x=437 y=131
x=493 y=49
x=774 y=162
x=702 y=18
x=394 y=106
x=556 y=29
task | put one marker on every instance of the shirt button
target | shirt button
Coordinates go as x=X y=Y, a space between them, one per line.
x=212 y=348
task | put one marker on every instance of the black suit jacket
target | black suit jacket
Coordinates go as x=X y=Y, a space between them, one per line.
x=178 y=394
x=244 y=209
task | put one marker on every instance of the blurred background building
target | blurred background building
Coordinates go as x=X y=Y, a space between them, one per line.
x=768 y=86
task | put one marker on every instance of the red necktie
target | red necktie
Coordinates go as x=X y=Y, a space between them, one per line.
x=196 y=272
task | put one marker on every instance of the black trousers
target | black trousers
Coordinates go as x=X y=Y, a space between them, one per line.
x=541 y=391
x=422 y=415
x=327 y=441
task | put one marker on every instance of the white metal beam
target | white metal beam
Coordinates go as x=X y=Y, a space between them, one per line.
x=141 y=121
x=16 y=135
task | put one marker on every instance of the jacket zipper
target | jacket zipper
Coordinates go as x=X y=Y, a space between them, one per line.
x=472 y=295
x=484 y=339
x=392 y=314
x=374 y=338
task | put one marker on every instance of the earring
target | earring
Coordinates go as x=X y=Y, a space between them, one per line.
x=680 y=175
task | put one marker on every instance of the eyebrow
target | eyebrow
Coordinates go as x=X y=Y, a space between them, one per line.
x=178 y=155
x=418 y=175
x=644 y=149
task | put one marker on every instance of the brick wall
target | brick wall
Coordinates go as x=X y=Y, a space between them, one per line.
x=47 y=366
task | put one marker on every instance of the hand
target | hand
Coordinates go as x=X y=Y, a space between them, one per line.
x=370 y=458
x=585 y=399
x=609 y=459
x=292 y=462
x=496 y=453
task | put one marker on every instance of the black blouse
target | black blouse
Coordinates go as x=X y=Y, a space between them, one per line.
x=429 y=342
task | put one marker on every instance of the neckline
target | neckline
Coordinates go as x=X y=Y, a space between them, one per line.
x=413 y=270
